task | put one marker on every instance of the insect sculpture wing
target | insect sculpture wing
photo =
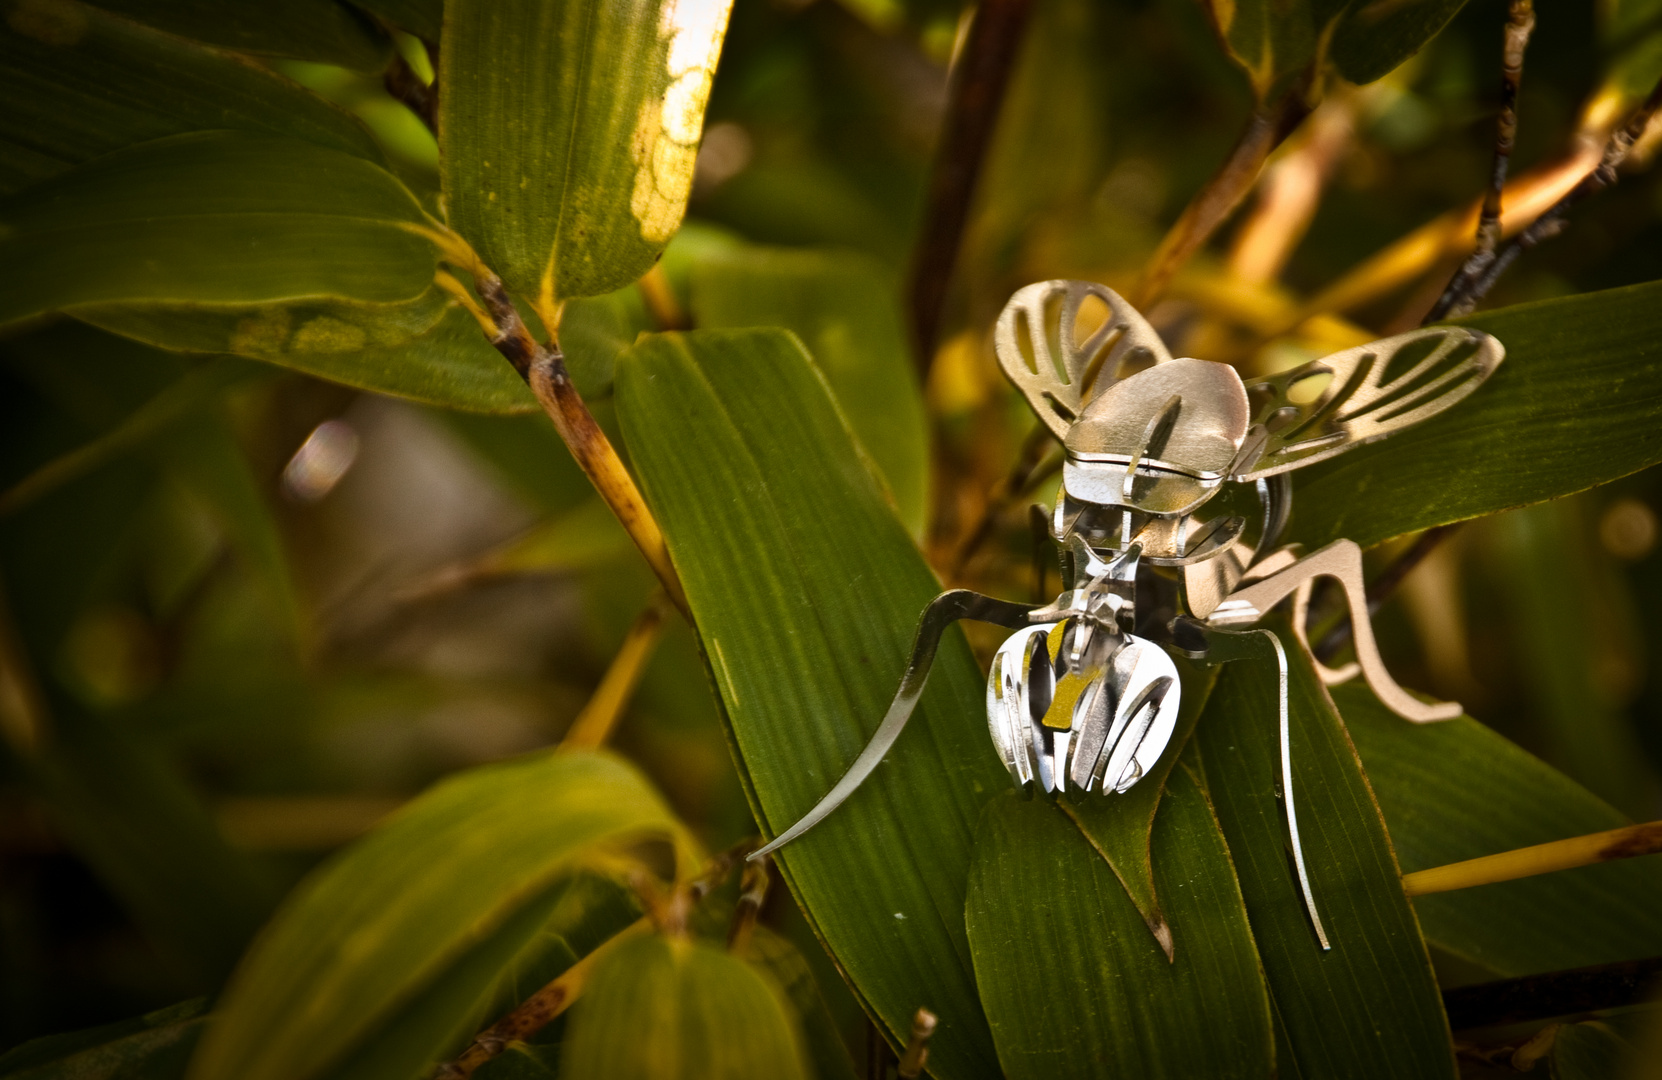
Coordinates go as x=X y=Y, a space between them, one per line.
x=1037 y=346
x=1371 y=391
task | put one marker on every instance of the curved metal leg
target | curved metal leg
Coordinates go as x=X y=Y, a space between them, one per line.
x=943 y=611
x=1224 y=645
x=1301 y=630
x=1341 y=560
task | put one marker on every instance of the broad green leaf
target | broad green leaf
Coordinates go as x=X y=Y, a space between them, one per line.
x=129 y=813
x=567 y=133
x=1274 y=40
x=90 y=82
x=428 y=349
x=845 y=308
x=212 y=217
x=806 y=589
x=148 y=1047
x=383 y=921
x=1072 y=985
x=1370 y=1006
x=678 y=1009
x=1577 y=403
x=1373 y=38
x=1457 y=790
x=1590 y=1051
x=1120 y=826
x=322 y=30
x=422 y=18
x=773 y=953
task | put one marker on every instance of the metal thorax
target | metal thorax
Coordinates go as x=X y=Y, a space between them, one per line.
x=1174 y=494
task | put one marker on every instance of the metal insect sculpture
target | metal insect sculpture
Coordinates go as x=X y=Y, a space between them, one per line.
x=1174 y=495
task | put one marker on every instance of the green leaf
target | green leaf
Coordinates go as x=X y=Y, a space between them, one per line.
x=90 y=82
x=321 y=30
x=806 y=589
x=212 y=217
x=422 y=18
x=844 y=308
x=428 y=349
x=1273 y=40
x=1590 y=1051
x=385 y=920
x=774 y=954
x=1374 y=37
x=567 y=133
x=1072 y=985
x=662 y=1009
x=1370 y=1006
x=1120 y=827
x=1577 y=403
x=147 y=1047
x=522 y=1061
x=1457 y=790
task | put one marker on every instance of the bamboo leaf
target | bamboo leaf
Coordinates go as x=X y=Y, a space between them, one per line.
x=1577 y=403
x=1457 y=790
x=398 y=914
x=148 y=1047
x=1273 y=40
x=1369 y=1007
x=806 y=589
x=420 y=17
x=1373 y=38
x=322 y=30
x=774 y=954
x=844 y=308
x=662 y=1009
x=70 y=97
x=1072 y=985
x=567 y=133
x=212 y=217
x=1120 y=826
x=1589 y=1051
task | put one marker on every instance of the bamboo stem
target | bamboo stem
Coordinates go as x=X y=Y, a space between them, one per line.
x=600 y=716
x=1212 y=205
x=916 y=1055
x=536 y=1011
x=1625 y=843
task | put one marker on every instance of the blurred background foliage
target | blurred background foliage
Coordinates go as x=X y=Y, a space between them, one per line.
x=266 y=609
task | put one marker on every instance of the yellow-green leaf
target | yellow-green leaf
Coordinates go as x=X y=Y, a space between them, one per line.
x=382 y=922
x=677 y=1009
x=567 y=133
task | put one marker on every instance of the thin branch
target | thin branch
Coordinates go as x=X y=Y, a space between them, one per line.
x=1551 y=223
x=1266 y=128
x=544 y=368
x=1625 y=843
x=1554 y=993
x=1386 y=584
x=536 y=1011
x=916 y=1055
x=1520 y=23
x=753 y=893
x=978 y=81
x=600 y=716
x=407 y=87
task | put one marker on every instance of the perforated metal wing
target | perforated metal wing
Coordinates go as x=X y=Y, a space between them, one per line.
x=1035 y=342
x=1370 y=391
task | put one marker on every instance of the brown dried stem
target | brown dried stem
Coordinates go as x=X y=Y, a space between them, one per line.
x=1553 y=993
x=536 y=1011
x=600 y=716
x=1551 y=223
x=978 y=79
x=1455 y=298
x=1212 y=205
x=753 y=893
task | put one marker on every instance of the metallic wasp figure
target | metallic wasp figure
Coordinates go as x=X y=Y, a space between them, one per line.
x=1174 y=493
